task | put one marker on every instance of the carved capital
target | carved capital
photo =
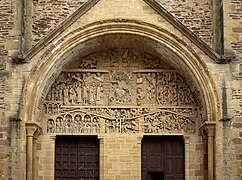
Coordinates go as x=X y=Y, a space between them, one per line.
x=208 y=130
x=32 y=129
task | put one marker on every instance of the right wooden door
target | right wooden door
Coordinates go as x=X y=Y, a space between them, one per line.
x=163 y=158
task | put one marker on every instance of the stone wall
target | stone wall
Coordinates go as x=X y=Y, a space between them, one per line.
x=233 y=51
x=236 y=15
x=49 y=14
x=196 y=15
x=122 y=157
x=6 y=25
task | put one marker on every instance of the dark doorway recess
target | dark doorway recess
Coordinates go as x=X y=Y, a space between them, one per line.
x=163 y=158
x=77 y=158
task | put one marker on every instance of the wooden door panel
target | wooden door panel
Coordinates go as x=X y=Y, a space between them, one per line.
x=180 y=169
x=163 y=158
x=77 y=158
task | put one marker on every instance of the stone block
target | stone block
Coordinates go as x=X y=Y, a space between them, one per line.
x=236 y=141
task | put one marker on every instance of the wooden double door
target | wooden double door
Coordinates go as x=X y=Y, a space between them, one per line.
x=163 y=158
x=77 y=158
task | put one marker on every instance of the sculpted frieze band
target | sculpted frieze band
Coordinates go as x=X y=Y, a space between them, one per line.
x=123 y=120
x=117 y=88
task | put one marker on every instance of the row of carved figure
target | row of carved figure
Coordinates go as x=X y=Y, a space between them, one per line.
x=78 y=124
x=160 y=88
x=163 y=121
x=152 y=123
x=74 y=90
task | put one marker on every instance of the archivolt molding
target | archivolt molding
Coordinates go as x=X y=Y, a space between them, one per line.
x=49 y=66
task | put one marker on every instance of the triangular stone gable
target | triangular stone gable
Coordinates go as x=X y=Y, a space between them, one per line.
x=149 y=11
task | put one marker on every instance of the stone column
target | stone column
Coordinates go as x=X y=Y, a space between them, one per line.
x=31 y=130
x=187 y=157
x=210 y=133
x=34 y=164
x=29 y=164
x=101 y=157
x=34 y=159
x=205 y=151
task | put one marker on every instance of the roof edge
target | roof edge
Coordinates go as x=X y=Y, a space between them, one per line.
x=185 y=31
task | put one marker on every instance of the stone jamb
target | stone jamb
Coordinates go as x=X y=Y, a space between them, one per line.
x=187 y=157
x=52 y=143
x=101 y=157
x=139 y=142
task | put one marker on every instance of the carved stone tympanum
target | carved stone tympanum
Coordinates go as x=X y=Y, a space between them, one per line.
x=125 y=90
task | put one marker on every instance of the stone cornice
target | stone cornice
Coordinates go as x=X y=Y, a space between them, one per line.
x=185 y=31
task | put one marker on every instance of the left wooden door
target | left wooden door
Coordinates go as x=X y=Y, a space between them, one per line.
x=77 y=158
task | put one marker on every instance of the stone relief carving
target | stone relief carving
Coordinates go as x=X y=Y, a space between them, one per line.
x=121 y=126
x=119 y=113
x=168 y=122
x=77 y=88
x=237 y=94
x=120 y=91
x=123 y=88
x=74 y=123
